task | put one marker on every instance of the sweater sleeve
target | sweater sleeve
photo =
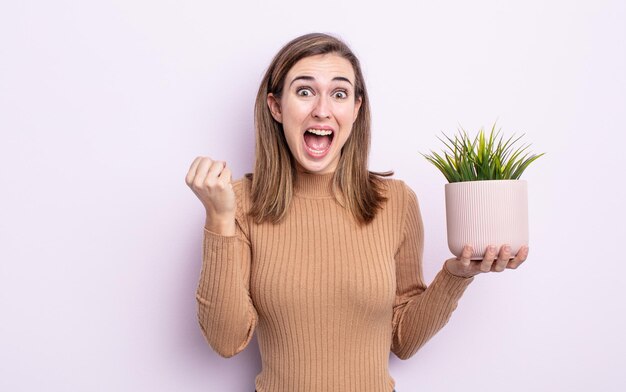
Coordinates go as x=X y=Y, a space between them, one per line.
x=419 y=312
x=226 y=313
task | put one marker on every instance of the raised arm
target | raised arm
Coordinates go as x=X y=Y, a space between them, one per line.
x=225 y=311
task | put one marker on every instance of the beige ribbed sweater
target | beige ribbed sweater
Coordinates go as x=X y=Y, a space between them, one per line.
x=328 y=299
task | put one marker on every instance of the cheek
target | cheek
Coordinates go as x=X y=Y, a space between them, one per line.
x=290 y=120
x=345 y=114
x=291 y=129
x=294 y=110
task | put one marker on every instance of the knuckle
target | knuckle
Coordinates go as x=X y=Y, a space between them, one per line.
x=220 y=185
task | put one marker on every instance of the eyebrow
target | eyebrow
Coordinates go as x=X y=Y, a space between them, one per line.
x=305 y=77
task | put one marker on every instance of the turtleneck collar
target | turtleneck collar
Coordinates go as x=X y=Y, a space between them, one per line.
x=313 y=185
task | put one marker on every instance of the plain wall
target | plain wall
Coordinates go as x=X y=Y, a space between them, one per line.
x=105 y=104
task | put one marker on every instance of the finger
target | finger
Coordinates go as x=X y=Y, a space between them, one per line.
x=503 y=258
x=519 y=258
x=466 y=255
x=201 y=172
x=214 y=171
x=488 y=259
x=225 y=176
x=191 y=173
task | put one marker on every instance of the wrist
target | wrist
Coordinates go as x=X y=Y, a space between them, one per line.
x=222 y=226
x=453 y=271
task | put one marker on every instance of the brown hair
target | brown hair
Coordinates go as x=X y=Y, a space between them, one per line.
x=275 y=168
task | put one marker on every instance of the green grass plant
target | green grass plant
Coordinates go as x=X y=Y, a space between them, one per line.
x=482 y=158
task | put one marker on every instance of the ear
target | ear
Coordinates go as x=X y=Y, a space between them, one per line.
x=274 y=104
x=357 y=106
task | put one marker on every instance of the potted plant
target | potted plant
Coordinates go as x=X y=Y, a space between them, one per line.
x=486 y=202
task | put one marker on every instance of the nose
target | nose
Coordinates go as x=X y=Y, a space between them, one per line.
x=321 y=108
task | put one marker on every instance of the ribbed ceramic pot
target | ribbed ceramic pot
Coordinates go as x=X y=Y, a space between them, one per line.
x=481 y=213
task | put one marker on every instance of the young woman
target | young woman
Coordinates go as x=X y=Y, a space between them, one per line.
x=318 y=255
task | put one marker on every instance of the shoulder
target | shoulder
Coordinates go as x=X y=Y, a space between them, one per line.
x=242 y=187
x=402 y=201
x=401 y=208
x=399 y=192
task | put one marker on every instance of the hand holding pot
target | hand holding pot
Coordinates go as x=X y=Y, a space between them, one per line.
x=211 y=181
x=493 y=260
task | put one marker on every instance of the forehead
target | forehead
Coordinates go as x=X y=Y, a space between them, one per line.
x=322 y=66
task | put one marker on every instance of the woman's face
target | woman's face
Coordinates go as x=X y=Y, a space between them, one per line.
x=317 y=109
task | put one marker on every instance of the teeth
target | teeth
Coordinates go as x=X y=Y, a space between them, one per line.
x=320 y=132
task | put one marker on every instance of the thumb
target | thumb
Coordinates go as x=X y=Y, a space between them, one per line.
x=466 y=255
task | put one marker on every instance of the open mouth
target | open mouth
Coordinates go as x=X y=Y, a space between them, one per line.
x=318 y=141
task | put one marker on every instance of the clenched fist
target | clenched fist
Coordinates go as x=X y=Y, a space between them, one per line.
x=211 y=181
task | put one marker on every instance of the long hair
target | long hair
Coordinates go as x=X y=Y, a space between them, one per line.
x=358 y=189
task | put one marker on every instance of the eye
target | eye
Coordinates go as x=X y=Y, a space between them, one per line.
x=341 y=94
x=304 y=92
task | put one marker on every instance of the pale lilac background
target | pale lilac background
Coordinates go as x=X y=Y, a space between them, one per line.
x=105 y=104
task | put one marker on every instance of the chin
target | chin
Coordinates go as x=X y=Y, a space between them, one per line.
x=318 y=168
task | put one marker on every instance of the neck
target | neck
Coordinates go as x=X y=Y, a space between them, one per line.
x=313 y=184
